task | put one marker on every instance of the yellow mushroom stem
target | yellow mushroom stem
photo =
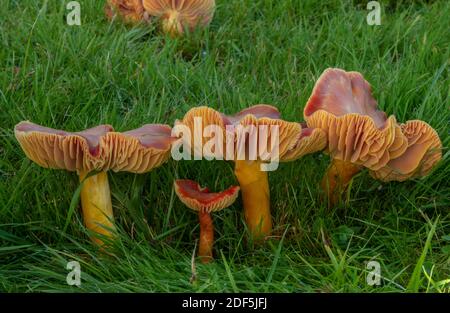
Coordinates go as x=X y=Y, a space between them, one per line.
x=96 y=205
x=337 y=179
x=206 y=237
x=256 y=197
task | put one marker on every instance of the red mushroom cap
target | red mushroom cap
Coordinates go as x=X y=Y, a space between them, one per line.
x=342 y=106
x=200 y=199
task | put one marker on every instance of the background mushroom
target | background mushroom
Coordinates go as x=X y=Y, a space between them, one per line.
x=359 y=135
x=98 y=150
x=130 y=11
x=204 y=202
x=294 y=142
x=176 y=15
x=423 y=152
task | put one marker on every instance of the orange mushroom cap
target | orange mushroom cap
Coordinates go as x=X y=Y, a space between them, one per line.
x=131 y=11
x=98 y=148
x=294 y=140
x=200 y=199
x=178 y=14
x=423 y=152
x=342 y=105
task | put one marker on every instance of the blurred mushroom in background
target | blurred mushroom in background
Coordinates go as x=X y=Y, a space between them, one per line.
x=130 y=11
x=178 y=15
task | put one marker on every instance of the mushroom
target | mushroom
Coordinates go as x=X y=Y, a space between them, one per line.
x=423 y=152
x=359 y=135
x=204 y=202
x=91 y=153
x=245 y=133
x=176 y=15
x=130 y=11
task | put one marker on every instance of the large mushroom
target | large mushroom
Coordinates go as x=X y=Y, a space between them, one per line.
x=178 y=15
x=359 y=135
x=204 y=202
x=246 y=138
x=91 y=153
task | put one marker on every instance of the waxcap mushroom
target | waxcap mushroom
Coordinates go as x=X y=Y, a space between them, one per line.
x=176 y=15
x=130 y=11
x=342 y=105
x=423 y=152
x=96 y=149
x=204 y=202
x=201 y=199
x=294 y=141
x=359 y=135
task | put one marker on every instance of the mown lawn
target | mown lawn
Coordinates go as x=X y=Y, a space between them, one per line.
x=74 y=77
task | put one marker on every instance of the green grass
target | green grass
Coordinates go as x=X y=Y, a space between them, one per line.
x=254 y=52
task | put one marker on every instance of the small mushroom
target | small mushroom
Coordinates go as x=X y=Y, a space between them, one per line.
x=130 y=11
x=176 y=15
x=423 y=152
x=204 y=202
x=294 y=142
x=359 y=135
x=96 y=150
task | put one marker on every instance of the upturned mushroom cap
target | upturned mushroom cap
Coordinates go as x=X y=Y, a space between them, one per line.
x=294 y=140
x=423 y=152
x=178 y=14
x=342 y=105
x=98 y=148
x=131 y=11
x=200 y=199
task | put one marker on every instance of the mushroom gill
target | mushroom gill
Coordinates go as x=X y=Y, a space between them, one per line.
x=423 y=152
